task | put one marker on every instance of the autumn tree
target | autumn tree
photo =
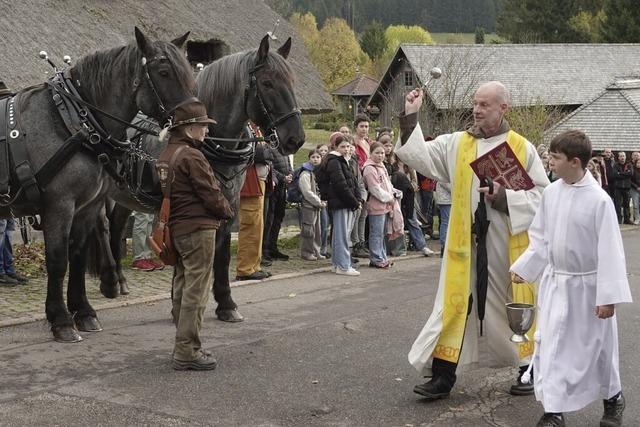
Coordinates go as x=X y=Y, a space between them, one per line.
x=398 y=34
x=307 y=28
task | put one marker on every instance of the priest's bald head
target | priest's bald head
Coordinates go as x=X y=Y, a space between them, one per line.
x=490 y=103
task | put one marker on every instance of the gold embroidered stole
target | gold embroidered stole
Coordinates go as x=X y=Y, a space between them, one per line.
x=457 y=280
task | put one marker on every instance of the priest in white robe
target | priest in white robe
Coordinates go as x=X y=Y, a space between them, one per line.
x=438 y=351
x=576 y=253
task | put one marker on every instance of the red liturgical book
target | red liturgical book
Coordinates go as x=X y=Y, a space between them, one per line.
x=502 y=165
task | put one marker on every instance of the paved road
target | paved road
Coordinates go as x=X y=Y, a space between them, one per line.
x=318 y=350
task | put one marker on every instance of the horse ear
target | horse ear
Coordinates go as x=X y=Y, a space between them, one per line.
x=143 y=43
x=285 y=48
x=263 y=50
x=180 y=41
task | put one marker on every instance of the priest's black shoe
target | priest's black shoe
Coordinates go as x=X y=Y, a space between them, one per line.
x=613 y=409
x=520 y=388
x=437 y=388
x=551 y=420
x=256 y=275
x=278 y=255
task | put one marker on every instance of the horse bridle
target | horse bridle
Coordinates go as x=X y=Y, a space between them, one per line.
x=149 y=80
x=271 y=133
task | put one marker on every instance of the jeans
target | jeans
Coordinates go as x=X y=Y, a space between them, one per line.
x=6 y=251
x=426 y=199
x=343 y=220
x=324 y=230
x=635 y=197
x=377 y=250
x=445 y=210
x=142 y=225
x=621 y=203
x=415 y=232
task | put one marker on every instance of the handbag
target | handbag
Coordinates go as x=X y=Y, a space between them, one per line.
x=160 y=241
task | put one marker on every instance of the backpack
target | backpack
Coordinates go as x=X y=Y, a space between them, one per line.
x=294 y=195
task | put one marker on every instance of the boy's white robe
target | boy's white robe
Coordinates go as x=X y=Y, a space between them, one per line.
x=437 y=160
x=575 y=251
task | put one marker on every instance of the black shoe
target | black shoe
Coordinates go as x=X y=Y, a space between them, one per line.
x=278 y=255
x=7 y=281
x=437 y=388
x=256 y=275
x=613 y=409
x=231 y=316
x=551 y=420
x=520 y=388
x=266 y=262
x=360 y=251
x=17 y=277
x=203 y=363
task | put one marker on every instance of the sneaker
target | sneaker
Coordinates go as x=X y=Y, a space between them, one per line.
x=613 y=409
x=322 y=256
x=203 y=363
x=384 y=265
x=551 y=420
x=157 y=264
x=426 y=251
x=142 y=264
x=349 y=272
x=309 y=258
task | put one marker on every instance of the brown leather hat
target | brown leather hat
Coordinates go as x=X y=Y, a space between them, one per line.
x=189 y=112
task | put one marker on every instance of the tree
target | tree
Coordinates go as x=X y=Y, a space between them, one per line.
x=307 y=28
x=337 y=55
x=588 y=25
x=397 y=34
x=373 y=40
x=479 y=35
x=622 y=22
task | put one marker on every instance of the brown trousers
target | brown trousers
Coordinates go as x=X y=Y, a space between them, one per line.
x=192 y=283
x=250 y=234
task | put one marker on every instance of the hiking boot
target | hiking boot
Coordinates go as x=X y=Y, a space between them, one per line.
x=203 y=363
x=613 y=409
x=348 y=272
x=143 y=264
x=266 y=262
x=551 y=420
x=520 y=388
x=7 y=281
x=256 y=275
x=436 y=388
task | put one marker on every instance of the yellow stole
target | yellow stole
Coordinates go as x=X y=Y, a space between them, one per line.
x=457 y=279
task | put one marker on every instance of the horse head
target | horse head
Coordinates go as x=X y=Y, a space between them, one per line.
x=269 y=98
x=164 y=77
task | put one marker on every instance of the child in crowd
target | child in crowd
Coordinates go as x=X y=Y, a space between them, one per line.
x=380 y=202
x=310 y=232
x=576 y=254
x=593 y=167
x=325 y=225
x=339 y=188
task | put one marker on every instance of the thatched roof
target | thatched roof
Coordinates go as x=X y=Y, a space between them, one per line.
x=77 y=27
x=552 y=74
x=611 y=119
x=362 y=85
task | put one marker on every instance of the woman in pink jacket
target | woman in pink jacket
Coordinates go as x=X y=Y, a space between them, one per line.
x=382 y=197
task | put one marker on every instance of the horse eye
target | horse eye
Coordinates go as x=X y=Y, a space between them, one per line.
x=268 y=84
x=164 y=73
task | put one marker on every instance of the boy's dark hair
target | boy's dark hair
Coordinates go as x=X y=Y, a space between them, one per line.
x=360 y=118
x=574 y=144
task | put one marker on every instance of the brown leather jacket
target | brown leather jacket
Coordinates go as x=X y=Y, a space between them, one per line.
x=196 y=200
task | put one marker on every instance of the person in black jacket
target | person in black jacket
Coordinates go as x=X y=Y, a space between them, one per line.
x=340 y=189
x=622 y=186
x=275 y=204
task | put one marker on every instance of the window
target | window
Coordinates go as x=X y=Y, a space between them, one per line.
x=408 y=78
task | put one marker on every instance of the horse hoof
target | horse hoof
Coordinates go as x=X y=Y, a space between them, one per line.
x=66 y=334
x=88 y=324
x=124 y=288
x=108 y=291
x=231 y=316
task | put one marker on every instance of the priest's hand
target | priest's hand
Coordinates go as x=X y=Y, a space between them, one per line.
x=413 y=101
x=605 y=311
x=516 y=279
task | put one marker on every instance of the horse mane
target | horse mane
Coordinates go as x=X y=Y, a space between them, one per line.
x=97 y=83
x=228 y=75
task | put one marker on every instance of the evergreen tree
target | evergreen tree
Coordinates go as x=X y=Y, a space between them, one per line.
x=622 y=21
x=373 y=40
x=479 y=35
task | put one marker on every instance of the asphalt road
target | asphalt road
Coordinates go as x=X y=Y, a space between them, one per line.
x=319 y=350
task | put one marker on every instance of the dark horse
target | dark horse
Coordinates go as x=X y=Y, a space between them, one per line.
x=254 y=85
x=149 y=76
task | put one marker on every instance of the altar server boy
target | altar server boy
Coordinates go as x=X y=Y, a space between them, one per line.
x=575 y=253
